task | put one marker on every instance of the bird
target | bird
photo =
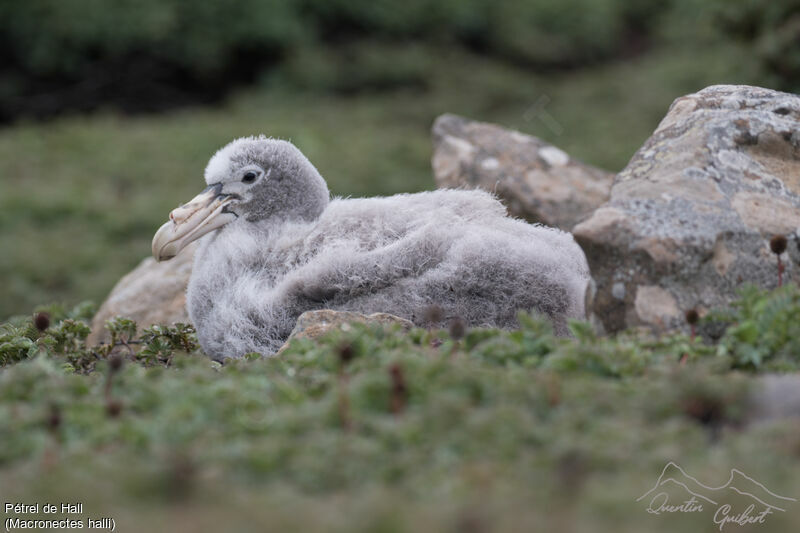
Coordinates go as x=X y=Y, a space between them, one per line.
x=273 y=244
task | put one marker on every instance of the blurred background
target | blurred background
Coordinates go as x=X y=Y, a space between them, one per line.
x=109 y=111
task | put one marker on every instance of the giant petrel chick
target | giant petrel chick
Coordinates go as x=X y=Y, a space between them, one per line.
x=274 y=244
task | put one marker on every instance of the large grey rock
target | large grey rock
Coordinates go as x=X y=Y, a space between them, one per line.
x=690 y=218
x=535 y=180
x=314 y=324
x=152 y=293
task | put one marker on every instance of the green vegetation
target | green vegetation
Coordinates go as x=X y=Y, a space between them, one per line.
x=151 y=54
x=374 y=429
x=760 y=332
x=367 y=429
x=771 y=31
x=202 y=39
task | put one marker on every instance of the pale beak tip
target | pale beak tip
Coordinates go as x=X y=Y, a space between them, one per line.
x=161 y=241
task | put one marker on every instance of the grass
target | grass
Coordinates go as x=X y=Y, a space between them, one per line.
x=499 y=431
x=81 y=196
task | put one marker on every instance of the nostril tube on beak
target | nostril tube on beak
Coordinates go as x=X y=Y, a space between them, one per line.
x=180 y=214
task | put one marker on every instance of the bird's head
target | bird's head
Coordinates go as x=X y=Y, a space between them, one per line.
x=250 y=180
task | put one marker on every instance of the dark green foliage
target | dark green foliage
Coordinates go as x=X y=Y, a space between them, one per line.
x=122 y=330
x=66 y=341
x=764 y=330
x=150 y=54
x=772 y=33
x=15 y=344
x=761 y=330
x=69 y=37
x=543 y=33
x=124 y=50
x=160 y=343
x=505 y=422
x=21 y=338
x=516 y=425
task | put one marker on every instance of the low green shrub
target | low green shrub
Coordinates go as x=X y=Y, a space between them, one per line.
x=764 y=329
x=64 y=340
x=368 y=424
x=761 y=332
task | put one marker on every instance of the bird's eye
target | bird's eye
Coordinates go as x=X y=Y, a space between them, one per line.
x=250 y=177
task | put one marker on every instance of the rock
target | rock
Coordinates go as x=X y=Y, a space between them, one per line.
x=690 y=218
x=314 y=324
x=535 y=180
x=152 y=293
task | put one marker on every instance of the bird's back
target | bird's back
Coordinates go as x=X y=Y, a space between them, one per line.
x=453 y=248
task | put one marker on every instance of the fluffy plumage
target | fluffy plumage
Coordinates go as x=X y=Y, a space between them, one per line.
x=291 y=250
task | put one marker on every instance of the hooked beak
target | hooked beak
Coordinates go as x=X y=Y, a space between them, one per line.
x=204 y=213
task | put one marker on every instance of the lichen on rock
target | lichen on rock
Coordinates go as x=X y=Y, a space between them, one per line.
x=535 y=180
x=693 y=211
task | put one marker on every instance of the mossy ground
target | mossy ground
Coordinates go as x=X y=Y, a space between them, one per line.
x=496 y=431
